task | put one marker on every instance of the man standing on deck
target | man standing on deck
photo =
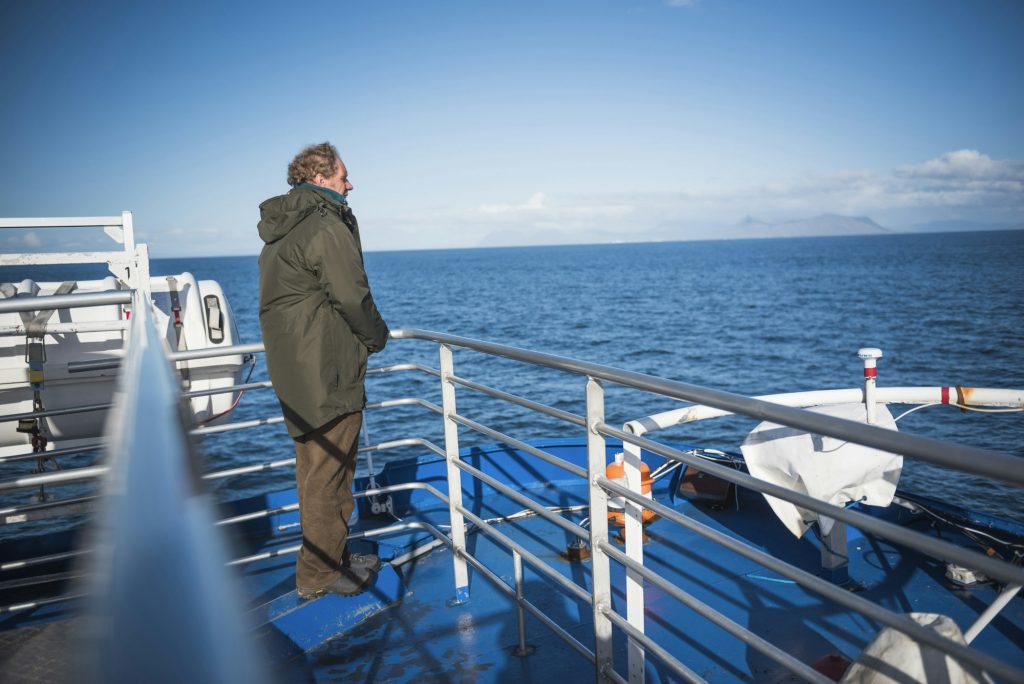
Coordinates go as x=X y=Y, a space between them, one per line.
x=319 y=324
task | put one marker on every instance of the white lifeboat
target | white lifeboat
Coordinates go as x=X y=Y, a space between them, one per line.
x=192 y=314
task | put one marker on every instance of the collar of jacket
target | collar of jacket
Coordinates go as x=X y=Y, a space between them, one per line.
x=330 y=194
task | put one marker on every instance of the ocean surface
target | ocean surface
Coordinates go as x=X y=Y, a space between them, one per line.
x=748 y=316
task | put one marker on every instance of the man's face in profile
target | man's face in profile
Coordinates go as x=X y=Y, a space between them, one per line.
x=337 y=181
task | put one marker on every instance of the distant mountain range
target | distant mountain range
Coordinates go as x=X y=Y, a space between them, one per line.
x=837 y=224
x=824 y=225
x=818 y=226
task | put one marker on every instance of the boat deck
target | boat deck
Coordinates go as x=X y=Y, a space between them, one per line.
x=409 y=628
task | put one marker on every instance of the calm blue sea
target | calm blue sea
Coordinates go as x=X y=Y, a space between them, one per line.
x=749 y=316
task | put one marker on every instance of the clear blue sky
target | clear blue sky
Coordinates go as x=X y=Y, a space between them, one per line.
x=468 y=123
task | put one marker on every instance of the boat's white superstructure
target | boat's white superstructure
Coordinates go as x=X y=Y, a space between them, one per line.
x=52 y=361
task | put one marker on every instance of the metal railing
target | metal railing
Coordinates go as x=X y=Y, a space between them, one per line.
x=1003 y=467
x=159 y=576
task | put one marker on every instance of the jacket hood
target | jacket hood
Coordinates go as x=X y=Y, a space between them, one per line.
x=279 y=215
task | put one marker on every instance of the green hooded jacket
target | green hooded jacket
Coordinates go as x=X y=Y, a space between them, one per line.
x=317 y=315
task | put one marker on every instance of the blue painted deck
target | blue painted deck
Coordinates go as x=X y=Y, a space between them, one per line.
x=421 y=636
x=407 y=630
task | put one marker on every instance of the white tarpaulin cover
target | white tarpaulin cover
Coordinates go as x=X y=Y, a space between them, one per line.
x=823 y=467
x=895 y=658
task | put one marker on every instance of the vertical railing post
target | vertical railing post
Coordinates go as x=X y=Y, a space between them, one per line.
x=600 y=574
x=451 y=449
x=634 y=531
x=522 y=650
x=128 y=232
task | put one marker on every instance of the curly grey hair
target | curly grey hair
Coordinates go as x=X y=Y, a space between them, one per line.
x=316 y=159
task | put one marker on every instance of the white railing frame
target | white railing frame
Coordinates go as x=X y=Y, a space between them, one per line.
x=451 y=447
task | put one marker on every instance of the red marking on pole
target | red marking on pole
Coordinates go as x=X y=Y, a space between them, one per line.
x=945 y=395
x=870 y=372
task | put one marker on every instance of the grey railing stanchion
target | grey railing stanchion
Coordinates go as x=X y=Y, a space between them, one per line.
x=600 y=572
x=634 y=531
x=522 y=649
x=451 y=448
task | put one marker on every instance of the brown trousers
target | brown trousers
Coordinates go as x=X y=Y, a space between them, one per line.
x=325 y=463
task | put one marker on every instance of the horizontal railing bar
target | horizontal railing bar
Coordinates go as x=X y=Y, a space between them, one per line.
x=522 y=446
x=59 y=477
x=29 y=456
x=650 y=645
x=62 y=222
x=36 y=580
x=521 y=401
x=56 y=258
x=96 y=365
x=71 y=410
x=225 y=390
x=271 y=465
x=66 y=328
x=187 y=355
x=241 y=425
x=56 y=503
x=39 y=603
x=524 y=501
x=996 y=465
x=527 y=555
x=405 y=401
x=980 y=396
x=398 y=443
x=267 y=512
x=381 y=531
x=823 y=587
x=42 y=560
x=243 y=470
x=748 y=637
x=256 y=515
x=404 y=367
x=65 y=301
x=213 y=352
x=935 y=548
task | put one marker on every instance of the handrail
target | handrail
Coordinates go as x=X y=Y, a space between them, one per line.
x=62 y=222
x=71 y=410
x=985 y=462
x=992 y=464
x=65 y=301
x=186 y=596
x=174 y=357
x=979 y=396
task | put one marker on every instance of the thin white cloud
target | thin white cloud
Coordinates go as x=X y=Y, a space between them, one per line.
x=680 y=3
x=963 y=184
x=32 y=239
x=965 y=179
x=535 y=203
x=963 y=165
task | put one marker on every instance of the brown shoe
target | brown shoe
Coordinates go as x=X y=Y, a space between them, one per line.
x=354 y=580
